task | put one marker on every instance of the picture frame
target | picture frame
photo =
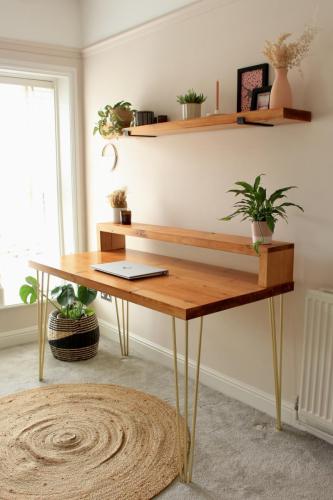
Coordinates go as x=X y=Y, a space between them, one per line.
x=248 y=79
x=261 y=98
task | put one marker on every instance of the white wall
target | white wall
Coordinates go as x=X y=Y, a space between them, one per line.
x=43 y=21
x=104 y=18
x=182 y=180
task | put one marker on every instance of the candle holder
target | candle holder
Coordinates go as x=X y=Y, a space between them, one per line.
x=126 y=217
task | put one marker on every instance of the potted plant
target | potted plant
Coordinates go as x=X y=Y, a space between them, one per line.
x=262 y=210
x=191 y=104
x=118 y=202
x=112 y=119
x=73 y=331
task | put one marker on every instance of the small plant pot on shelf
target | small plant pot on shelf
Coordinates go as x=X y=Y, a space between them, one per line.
x=73 y=339
x=191 y=110
x=261 y=232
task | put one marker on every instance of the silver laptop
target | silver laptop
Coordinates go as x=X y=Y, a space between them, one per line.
x=129 y=270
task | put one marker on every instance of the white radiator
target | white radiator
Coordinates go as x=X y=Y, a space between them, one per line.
x=315 y=408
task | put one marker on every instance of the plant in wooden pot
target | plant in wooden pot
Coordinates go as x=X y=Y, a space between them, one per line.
x=113 y=119
x=191 y=104
x=73 y=331
x=118 y=202
x=262 y=210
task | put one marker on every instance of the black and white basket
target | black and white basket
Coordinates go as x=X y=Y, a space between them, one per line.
x=73 y=339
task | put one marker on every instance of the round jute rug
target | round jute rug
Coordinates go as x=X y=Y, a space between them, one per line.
x=86 y=441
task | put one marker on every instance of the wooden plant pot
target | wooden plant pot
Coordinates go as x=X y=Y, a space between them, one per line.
x=73 y=339
x=125 y=115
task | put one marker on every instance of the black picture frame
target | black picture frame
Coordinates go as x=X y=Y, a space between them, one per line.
x=263 y=83
x=256 y=93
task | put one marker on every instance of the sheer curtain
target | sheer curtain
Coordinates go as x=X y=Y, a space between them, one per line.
x=29 y=208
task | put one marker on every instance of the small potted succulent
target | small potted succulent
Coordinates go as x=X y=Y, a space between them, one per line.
x=191 y=104
x=113 y=119
x=73 y=331
x=118 y=202
x=262 y=210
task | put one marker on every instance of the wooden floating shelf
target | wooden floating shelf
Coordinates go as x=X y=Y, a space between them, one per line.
x=263 y=118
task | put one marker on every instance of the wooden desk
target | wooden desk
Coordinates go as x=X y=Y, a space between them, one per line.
x=190 y=290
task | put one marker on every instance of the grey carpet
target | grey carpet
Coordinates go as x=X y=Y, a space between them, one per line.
x=238 y=454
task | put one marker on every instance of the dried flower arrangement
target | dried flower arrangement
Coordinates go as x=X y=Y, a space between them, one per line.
x=289 y=55
x=118 y=198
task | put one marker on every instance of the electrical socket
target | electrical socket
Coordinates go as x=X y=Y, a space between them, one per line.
x=106 y=296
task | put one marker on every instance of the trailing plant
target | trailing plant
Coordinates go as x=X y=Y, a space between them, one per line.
x=256 y=205
x=70 y=305
x=114 y=118
x=118 y=198
x=191 y=97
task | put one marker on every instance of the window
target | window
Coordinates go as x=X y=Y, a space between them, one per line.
x=31 y=188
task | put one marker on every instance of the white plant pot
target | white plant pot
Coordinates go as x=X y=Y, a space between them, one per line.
x=191 y=110
x=261 y=232
x=116 y=215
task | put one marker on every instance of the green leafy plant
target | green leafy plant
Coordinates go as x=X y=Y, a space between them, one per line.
x=114 y=118
x=71 y=305
x=191 y=97
x=256 y=205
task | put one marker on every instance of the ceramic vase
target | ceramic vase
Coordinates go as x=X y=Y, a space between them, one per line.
x=191 y=110
x=281 y=95
x=116 y=214
x=261 y=232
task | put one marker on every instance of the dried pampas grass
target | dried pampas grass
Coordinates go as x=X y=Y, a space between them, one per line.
x=289 y=55
x=118 y=198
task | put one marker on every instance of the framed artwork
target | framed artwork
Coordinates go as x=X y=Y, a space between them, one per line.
x=261 y=98
x=248 y=79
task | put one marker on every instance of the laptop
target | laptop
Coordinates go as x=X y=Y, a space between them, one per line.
x=129 y=270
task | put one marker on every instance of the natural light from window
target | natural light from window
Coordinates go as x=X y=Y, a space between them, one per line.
x=29 y=208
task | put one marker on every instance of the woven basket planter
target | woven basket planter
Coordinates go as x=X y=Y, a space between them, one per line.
x=73 y=339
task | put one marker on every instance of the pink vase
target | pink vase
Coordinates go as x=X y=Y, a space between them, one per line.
x=281 y=96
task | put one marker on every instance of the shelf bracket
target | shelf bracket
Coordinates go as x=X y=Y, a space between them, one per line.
x=243 y=121
x=128 y=133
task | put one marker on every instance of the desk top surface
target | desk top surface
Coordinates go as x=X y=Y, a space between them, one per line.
x=190 y=290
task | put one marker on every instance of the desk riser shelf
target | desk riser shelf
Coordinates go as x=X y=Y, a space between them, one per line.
x=275 y=260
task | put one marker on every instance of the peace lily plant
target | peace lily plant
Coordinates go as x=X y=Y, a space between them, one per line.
x=262 y=210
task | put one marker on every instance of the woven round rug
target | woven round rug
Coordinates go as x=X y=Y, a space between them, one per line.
x=86 y=441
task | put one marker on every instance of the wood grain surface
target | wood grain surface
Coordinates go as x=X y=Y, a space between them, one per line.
x=278 y=116
x=190 y=290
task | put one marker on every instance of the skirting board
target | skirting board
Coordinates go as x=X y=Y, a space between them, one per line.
x=231 y=387
x=18 y=337
x=211 y=378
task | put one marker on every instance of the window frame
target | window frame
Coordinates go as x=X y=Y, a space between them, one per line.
x=67 y=96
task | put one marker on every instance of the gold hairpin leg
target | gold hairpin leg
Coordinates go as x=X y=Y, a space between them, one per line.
x=186 y=449
x=277 y=357
x=42 y=295
x=123 y=328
